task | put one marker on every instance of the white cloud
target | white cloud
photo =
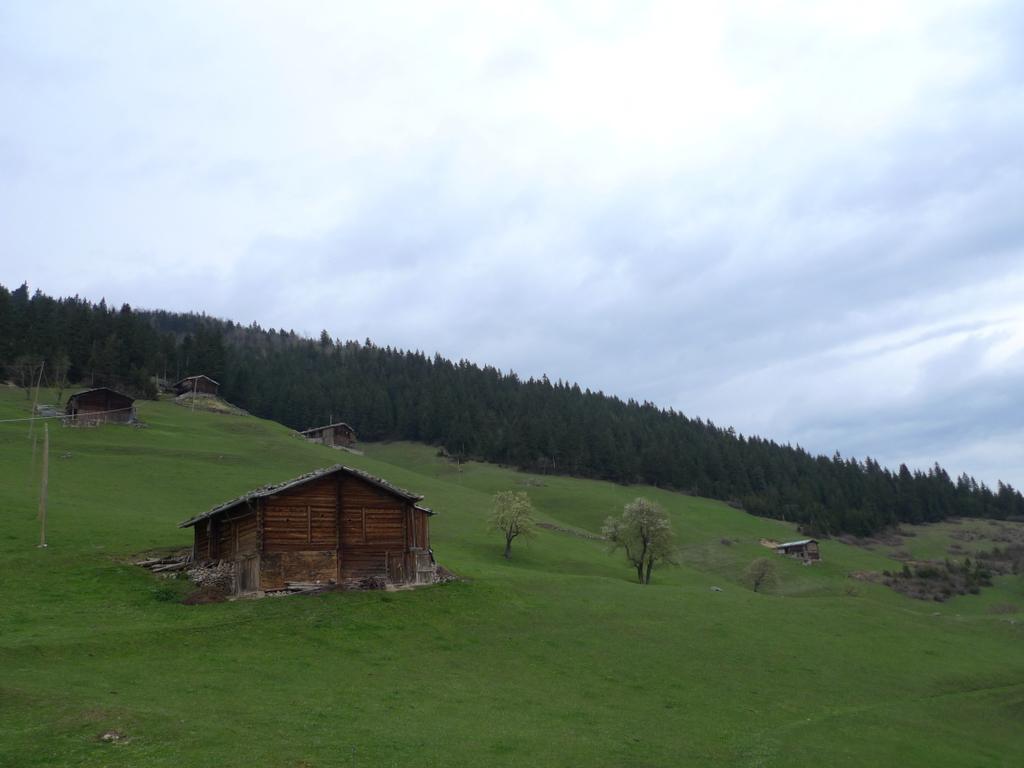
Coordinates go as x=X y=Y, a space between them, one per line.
x=797 y=217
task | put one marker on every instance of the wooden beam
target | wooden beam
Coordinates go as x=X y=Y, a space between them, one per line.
x=44 y=487
x=337 y=526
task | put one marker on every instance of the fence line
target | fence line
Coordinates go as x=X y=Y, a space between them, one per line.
x=64 y=416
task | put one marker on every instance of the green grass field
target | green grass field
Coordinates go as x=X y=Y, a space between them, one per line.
x=553 y=659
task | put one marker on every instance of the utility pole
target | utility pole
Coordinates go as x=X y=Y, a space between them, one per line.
x=43 y=488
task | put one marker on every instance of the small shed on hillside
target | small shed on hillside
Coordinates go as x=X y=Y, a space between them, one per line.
x=100 y=405
x=200 y=384
x=804 y=549
x=337 y=525
x=339 y=433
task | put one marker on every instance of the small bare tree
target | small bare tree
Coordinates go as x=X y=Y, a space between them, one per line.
x=513 y=516
x=27 y=370
x=644 y=532
x=61 y=365
x=761 y=573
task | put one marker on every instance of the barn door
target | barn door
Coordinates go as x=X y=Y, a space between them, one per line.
x=395 y=567
x=424 y=564
x=248 y=575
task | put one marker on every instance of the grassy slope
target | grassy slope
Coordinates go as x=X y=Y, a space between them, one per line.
x=555 y=658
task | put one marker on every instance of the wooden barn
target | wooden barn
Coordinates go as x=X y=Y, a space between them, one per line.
x=334 y=526
x=805 y=549
x=200 y=385
x=100 y=406
x=331 y=434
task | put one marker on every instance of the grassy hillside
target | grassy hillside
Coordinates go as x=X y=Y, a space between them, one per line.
x=555 y=658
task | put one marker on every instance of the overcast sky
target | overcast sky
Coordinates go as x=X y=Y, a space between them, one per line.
x=803 y=219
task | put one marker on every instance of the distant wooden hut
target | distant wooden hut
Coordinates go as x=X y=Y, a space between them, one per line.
x=804 y=549
x=200 y=385
x=339 y=433
x=334 y=526
x=100 y=405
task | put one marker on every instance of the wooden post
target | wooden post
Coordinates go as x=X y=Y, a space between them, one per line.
x=32 y=465
x=35 y=401
x=43 y=489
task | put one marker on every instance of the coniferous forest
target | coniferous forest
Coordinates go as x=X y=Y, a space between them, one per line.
x=473 y=411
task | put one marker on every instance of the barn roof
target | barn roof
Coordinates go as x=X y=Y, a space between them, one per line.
x=270 y=490
x=799 y=543
x=326 y=426
x=100 y=389
x=197 y=376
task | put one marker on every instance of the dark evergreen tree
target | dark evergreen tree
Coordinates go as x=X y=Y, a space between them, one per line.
x=476 y=412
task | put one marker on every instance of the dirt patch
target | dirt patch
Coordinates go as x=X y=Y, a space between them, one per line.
x=209 y=403
x=571 y=532
x=928 y=580
x=214 y=579
x=967 y=535
x=871 y=576
x=1004 y=560
x=892 y=539
x=1002 y=608
x=443 y=576
x=205 y=596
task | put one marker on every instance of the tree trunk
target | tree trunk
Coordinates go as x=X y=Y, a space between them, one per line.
x=508 y=549
x=650 y=567
x=640 y=563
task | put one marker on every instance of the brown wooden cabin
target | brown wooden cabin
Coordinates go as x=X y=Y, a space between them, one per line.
x=805 y=549
x=201 y=385
x=334 y=526
x=331 y=434
x=100 y=406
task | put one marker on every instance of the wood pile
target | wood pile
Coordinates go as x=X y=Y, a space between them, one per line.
x=168 y=564
x=300 y=588
x=216 y=575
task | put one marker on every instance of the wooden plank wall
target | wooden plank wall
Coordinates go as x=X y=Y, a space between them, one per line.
x=373 y=531
x=302 y=520
x=202 y=541
x=230 y=537
x=94 y=407
x=421 y=522
x=279 y=568
x=300 y=535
